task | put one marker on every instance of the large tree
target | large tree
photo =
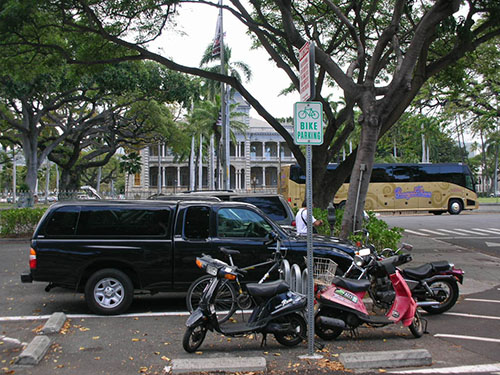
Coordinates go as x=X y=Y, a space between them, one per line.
x=379 y=53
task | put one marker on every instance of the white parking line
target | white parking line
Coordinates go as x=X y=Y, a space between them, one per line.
x=475 y=338
x=482 y=300
x=473 y=316
x=86 y=316
x=491 y=367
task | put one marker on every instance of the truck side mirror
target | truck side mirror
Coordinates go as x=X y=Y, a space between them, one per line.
x=331 y=217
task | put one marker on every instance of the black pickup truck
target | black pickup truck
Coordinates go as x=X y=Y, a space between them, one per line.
x=109 y=249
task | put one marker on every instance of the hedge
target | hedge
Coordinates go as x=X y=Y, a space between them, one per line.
x=19 y=222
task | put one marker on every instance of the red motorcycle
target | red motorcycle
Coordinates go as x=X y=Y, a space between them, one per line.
x=341 y=305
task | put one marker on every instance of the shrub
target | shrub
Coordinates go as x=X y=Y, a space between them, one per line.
x=19 y=221
x=381 y=236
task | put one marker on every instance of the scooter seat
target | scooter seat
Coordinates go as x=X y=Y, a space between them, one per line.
x=352 y=284
x=269 y=289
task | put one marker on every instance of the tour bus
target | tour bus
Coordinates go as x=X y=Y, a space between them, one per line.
x=436 y=188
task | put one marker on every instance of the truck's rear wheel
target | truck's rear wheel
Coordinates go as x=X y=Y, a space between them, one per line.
x=109 y=292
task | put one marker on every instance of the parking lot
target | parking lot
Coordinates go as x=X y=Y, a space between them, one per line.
x=148 y=339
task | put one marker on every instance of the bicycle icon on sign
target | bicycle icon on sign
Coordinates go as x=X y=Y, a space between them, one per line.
x=308 y=113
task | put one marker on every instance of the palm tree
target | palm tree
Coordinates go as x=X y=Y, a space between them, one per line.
x=204 y=119
x=232 y=67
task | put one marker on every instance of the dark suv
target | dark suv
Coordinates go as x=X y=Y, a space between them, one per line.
x=273 y=205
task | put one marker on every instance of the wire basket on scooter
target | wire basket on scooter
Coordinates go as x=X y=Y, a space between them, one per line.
x=323 y=270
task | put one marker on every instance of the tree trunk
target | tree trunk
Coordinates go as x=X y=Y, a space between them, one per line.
x=361 y=172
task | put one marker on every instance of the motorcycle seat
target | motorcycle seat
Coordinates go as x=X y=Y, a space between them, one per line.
x=426 y=270
x=269 y=289
x=353 y=285
x=441 y=266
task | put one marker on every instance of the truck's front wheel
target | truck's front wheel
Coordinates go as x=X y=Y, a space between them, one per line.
x=109 y=292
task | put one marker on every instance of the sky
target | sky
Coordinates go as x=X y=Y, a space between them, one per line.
x=198 y=22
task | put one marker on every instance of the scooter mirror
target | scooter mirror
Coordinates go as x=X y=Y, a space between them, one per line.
x=331 y=217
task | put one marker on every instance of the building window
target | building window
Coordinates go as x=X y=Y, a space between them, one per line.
x=137 y=179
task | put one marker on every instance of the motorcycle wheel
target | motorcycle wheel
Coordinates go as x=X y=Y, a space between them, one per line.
x=225 y=301
x=417 y=326
x=193 y=338
x=447 y=287
x=297 y=325
x=324 y=332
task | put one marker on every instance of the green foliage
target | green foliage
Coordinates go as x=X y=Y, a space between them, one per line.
x=381 y=236
x=20 y=221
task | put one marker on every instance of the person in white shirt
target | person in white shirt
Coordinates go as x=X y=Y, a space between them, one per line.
x=301 y=220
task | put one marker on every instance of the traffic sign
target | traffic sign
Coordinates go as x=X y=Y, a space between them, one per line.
x=308 y=123
x=305 y=72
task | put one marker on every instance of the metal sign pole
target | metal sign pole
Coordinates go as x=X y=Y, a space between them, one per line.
x=310 y=282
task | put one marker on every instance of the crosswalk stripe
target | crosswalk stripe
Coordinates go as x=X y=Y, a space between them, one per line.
x=433 y=232
x=475 y=338
x=414 y=232
x=452 y=232
x=495 y=230
x=469 y=369
x=470 y=232
x=486 y=231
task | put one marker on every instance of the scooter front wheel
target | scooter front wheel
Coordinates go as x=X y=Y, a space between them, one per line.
x=297 y=329
x=417 y=326
x=193 y=338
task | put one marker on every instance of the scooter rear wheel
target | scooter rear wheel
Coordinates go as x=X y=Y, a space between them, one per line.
x=297 y=332
x=324 y=332
x=193 y=338
x=417 y=326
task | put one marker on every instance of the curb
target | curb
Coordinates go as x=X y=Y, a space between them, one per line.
x=54 y=324
x=386 y=359
x=36 y=349
x=227 y=364
x=34 y=352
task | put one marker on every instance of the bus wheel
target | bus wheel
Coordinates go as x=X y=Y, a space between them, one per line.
x=455 y=207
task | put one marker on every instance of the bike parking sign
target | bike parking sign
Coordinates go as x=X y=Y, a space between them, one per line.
x=308 y=123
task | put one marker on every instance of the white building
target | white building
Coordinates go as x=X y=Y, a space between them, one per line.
x=255 y=160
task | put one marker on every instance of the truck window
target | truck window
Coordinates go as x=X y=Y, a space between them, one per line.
x=123 y=221
x=62 y=222
x=197 y=223
x=241 y=222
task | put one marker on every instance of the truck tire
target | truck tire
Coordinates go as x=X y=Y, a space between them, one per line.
x=109 y=292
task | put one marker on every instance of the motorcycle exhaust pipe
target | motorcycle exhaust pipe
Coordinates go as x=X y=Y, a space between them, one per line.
x=427 y=303
x=332 y=322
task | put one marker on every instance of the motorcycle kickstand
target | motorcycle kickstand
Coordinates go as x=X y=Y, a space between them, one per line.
x=263 y=343
x=425 y=321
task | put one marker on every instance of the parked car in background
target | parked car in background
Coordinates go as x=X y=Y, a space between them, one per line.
x=273 y=205
x=107 y=249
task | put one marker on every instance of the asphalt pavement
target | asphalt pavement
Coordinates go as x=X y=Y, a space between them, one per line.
x=151 y=343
